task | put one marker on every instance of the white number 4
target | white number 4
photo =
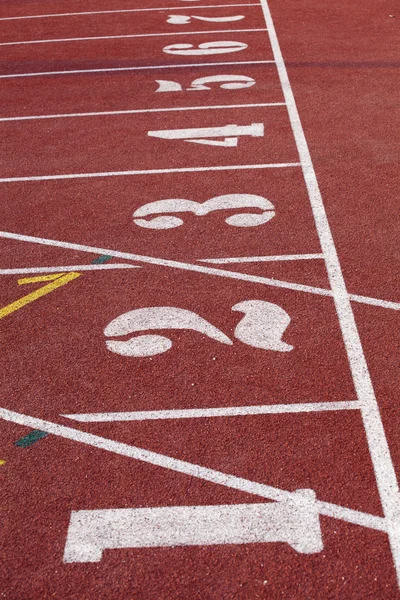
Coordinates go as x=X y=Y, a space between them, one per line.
x=202 y=135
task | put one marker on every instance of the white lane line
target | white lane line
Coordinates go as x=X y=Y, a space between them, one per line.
x=253 y=259
x=198 y=268
x=142 y=68
x=139 y=111
x=126 y=10
x=118 y=37
x=378 y=446
x=238 y=483
x=375 y=301
x=199 y=413
x=64 y=268
x=147 y=172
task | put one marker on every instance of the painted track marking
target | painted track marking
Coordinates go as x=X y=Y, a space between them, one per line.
x=229 y=411
x=92 y=267
x=378 y=446
x=139 y=111
x=374 y=429
x=148 y=172
x=238 y=483
x=253 y=259
x=90 y=532
x=198 y=268
x=169 y=263
x=40 y=278
x=128 y=10
x=128 y=36
x=142 y=68
x=30 y=439
x=61 y=279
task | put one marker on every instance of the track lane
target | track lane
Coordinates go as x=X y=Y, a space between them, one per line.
x=330 y=450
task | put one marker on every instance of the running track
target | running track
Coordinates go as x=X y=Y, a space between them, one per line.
x=199 y=299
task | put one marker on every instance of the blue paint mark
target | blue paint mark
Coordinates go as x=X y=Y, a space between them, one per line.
x=101 y=259
x=31 y=438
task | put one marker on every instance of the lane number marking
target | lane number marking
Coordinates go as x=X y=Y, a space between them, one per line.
x=225 y=202
x=262 y=326
x=202 y=135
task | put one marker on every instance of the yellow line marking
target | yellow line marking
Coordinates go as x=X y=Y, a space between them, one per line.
x=2 y=462
x=51 y=277
x=46 y=289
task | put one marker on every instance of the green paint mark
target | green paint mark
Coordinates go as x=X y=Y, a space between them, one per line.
x=101 y=259
x=31 y=438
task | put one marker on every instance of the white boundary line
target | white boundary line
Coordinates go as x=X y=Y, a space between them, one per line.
x=142 y=68
x=253 y=259
x=147 y=172
x=199 y=413
x=378 y=446
x=201 y=269
x=231 y=481
x=139 y=111
x=127 y=36
x=375 y=301
x=128 y=10
x=99 y=267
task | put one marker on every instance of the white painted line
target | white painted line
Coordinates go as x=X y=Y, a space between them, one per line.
x=118 y=37
x=129 y=10
x=378 y=446
x=139 y=111
x=200 y=413
x=142 y=68
x=198 y=268
x=100 y=267
x=253 y=259
x=169 y=263
x=90 y=532
x=147 y=172
x=238 y=483
x=375 y=301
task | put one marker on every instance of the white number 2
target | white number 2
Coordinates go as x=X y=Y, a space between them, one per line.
x=262 y=326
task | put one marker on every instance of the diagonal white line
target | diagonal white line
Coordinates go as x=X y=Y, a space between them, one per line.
x=228 y=411
x=127 y=36
x=128 y=10
x=168 y=263
x=198 y=268
x=231 y=481
x=378 y=446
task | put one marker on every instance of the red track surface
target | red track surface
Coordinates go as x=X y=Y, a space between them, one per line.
x=76 y=182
